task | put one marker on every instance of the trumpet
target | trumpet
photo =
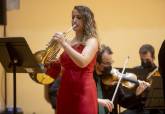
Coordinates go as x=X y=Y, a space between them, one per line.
x=46 y=56
x=52 y=50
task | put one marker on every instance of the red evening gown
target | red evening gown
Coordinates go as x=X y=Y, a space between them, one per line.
x=77 y=93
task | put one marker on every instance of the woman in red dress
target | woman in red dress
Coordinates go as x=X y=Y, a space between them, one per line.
x=77 y=91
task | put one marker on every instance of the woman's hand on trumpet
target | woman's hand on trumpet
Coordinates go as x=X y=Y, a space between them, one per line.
x=143 y=85
x=60 y=38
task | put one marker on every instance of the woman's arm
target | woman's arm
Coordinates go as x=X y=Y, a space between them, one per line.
x=80 y=59
x=88 y=53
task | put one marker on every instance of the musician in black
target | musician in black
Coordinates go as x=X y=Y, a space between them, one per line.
x=52 y=92
x=147 y=56
x=105 y=91
x=161 y=59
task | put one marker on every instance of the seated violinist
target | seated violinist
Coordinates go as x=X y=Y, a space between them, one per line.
x=106 y=86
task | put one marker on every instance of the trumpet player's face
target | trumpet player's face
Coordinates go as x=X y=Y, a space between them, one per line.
x=77 y=20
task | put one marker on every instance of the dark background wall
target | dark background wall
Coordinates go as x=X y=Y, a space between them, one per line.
x=2 y=12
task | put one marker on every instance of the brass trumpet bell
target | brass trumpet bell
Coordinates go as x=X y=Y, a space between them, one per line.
x=47 y=56
x=41 y=78
x=39 y=55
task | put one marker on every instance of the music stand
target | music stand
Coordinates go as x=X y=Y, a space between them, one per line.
x=16 y=57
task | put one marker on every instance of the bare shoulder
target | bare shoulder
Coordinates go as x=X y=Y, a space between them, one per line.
x=92 y=41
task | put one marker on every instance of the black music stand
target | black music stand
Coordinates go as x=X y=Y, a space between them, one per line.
x=16 y=57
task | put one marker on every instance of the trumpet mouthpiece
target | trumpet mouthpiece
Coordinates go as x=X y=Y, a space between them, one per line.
x=74 y=26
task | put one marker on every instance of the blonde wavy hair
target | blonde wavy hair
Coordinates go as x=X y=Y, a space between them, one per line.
x=89 y=22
